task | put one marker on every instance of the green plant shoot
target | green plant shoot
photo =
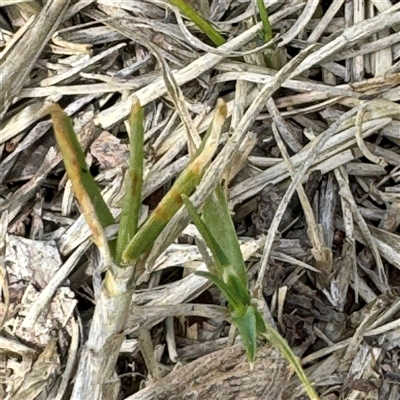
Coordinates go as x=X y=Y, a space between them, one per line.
x=185 y=184
x=229 y=275
x=128 y=226
x=267 y=29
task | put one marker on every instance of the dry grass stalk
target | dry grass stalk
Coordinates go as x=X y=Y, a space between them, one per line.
x=30 y=46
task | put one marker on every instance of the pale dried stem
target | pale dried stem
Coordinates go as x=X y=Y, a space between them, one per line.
x=346 y=193
x=312 y=154
x=27 y=50
x=217 y=168
x=99 y=354
x=366 y=152
x=321 y=253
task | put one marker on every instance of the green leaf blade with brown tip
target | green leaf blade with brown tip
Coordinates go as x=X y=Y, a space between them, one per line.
x=96 y=212
x=142 y=242
x=185 y=184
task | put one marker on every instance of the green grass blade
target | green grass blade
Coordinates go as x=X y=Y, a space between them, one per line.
x=199 y=21
x=133 y=185
x=246 y=324
x=232 y=285
x=185 y=184
x=142 y=242
x=217 y=252
x=224 y=288
x=240 y=291
x=281 y=344
x=224 y=270
x=218 y=219
x=260 y=323
x=265 y=21
x=96 y=212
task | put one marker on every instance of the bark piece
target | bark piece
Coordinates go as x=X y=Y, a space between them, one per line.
x=224 y=375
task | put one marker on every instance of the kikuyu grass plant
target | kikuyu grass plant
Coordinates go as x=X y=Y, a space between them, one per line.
x=134 y=242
